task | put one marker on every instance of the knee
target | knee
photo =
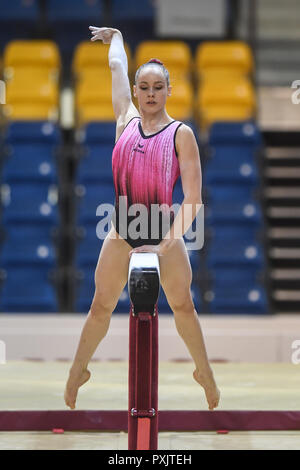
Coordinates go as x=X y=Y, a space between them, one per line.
x=182 y=304
x=102 y=306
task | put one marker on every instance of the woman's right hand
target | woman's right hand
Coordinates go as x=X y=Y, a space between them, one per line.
x=104 y=34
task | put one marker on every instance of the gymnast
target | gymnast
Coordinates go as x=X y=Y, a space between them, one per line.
x=151 y=151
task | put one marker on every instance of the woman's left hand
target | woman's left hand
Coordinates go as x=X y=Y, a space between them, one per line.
x=148 y=249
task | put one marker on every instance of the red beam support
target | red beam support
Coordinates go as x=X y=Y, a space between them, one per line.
x=169 y=420
x=143 y=381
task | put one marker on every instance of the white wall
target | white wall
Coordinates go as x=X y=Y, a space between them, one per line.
x=232 y=338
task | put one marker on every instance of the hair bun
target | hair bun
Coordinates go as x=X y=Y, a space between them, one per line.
x=155 y=61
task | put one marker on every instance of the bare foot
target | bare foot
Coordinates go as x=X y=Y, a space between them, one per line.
x=75 y=380
x=211 y=390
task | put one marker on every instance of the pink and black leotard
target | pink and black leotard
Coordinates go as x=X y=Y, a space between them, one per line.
x=145 y=170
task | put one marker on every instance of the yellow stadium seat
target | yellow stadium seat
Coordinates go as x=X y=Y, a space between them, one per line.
x=93 y=100
x=227 y=92
x=30 y=112
x=174 y=54
x=94 y=112
x=229 y=56
x=95 y=75
x=224 y=113
x=34 y=74
x=93 y=55
x=225 y=100
x=19 y=91
x=32 y=53
x=180 y=104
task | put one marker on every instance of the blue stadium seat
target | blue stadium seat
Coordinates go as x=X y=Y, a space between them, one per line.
x=234 y=276
x=144 y=10
x=217 y=193
x=162 y=304
x=96 y=165
x=27 y=289
x=194 y=257
x=97 y=133
x=89 y=11
x=231 y=233
x=43 y=132
x=239 y=300
x=237 y=253
x=240 y=132
x=178 y=195
x=88 y=249
x=233 y=170
x=196 y=295
x=85 y=292
x=92 y=197
x=20 y=251
x=30 y=203
x=19 y=10
x=29 y=163
x=234 y=212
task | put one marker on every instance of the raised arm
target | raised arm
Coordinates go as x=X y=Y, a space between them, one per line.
x=123 y=106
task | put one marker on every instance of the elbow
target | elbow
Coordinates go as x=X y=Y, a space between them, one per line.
x=115 y=63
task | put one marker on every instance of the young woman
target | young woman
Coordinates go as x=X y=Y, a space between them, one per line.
x=151 y=151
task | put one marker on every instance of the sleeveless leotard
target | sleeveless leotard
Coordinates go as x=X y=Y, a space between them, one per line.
x=145 y=170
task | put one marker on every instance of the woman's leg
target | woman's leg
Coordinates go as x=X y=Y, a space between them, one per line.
x=110 y=279
x=176 y=279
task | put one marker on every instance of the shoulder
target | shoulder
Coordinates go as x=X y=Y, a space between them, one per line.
x=123 y=124
x=184 y=136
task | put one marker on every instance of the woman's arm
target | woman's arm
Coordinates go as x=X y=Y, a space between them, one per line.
x=191 y=179
x=123 y=106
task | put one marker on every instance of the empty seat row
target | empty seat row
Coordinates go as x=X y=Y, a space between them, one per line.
x=234 y=251
x=224 y=88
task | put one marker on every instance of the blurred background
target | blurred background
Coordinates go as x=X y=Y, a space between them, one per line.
x=233 y=65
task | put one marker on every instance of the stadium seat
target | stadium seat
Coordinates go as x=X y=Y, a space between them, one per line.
x=39 y=132
x=234 y=212
x=223 y=58
x=238 y=300
x=237 y=253
x=89 y=11
x=234 y=276
x=90 y=198
x=225 y=193
x=95 y=165
x=92 y=57
x=180 y=104
x=18 y=251
x=234 y=170
x=85 y=292
x=226 y=100
x=29 y=203
x=175 y=55
x=19 y=10
x=29 y=163
x=28 y=111
x=88 y=248
x=96 y=133
x=32 y=53
x=28 y=290
x=40 y=93
x=93 y=101
x=237 y=133
x=131 y=11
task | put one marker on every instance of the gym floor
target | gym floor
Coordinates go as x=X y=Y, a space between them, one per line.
x=39 y=385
